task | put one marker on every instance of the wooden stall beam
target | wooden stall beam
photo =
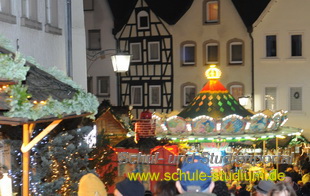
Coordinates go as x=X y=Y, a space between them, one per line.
x=27 y=145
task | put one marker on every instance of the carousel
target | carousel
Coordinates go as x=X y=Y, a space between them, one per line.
x=215 y=122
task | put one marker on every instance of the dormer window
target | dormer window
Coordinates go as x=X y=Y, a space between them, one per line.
x=143 y=20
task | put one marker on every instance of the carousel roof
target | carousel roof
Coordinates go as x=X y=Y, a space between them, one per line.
x=215 y=101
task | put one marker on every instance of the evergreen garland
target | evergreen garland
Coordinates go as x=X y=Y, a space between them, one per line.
x=22 y=107
x=12 y=68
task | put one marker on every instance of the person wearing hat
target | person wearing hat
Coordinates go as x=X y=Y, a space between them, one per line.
x=263 y=187
x=195 y=187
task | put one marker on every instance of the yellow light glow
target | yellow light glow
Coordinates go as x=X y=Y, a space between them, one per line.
x=35 y=102
x=213 y=72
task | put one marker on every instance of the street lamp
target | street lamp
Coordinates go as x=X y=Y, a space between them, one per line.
x=244 y=100
x=120 y=62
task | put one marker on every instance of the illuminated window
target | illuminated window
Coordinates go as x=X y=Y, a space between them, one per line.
x=235 y=53
x=212 y=53
x=271 y=45
x=236 y=90
x=188 y=54
x=270 y=98
x=296 y=99
x=296 y=45
x=211 y=10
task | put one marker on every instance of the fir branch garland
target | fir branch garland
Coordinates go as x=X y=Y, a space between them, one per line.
x=13 y=68
x=22 y=107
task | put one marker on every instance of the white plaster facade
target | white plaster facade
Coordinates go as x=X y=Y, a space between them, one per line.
x=100 y=18
x=191 y=28
x=283 y=18
x=30 y=33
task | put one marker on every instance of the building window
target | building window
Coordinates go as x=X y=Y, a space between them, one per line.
x=188 y=54
x=296 y=99
x=30 y=14
x=270 y=98
x=88 y=5
x=6 y=12
x=235 y=53
x=136 y=52
x=189 y=93
x=155 y=95
x=52 y=17
x=296 y=45
x=136 y=96
x=103 y=86
x=236 y=90
x=154 y=51
x=94 y=40
x=6 y=6
x=211 y=11
x=271 y=45
x=90 y=84
x=212 y=52
x=143 y=20
x=30 y=9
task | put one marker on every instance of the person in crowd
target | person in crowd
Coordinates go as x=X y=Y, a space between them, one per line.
x=294 y=174
x=306 y=175
x=289 y=180
x=282 y=189
x=128 y=187
x=305 y=190
x=243 y=190
x=166 y=188
x=148 y=193
x=263 y=187
x=220 y=188
x=188 y=185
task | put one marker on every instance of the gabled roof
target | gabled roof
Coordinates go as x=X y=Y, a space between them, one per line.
x=116 y=111
x=33 y=93
x=215 y=101
x=250 y=10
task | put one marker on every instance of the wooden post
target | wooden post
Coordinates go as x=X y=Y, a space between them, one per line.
x=27 y=130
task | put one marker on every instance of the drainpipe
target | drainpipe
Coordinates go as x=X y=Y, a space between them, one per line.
x=69 y=39
x=250 y=31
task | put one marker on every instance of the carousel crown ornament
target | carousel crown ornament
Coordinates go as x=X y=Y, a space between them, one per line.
x=214 y=114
